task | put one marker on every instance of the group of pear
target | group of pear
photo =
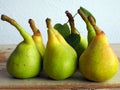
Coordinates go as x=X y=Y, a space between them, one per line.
x=66 y=51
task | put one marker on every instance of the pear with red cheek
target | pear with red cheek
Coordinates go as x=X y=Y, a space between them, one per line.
x=98 y=62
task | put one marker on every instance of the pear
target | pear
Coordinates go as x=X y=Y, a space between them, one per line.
x=37 y=37
x=85 y=14
x=75 y=39
x=24 y=61
x=60 y=58
x=98 y=62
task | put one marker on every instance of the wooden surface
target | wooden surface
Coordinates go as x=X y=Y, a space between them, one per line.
x=43 y=82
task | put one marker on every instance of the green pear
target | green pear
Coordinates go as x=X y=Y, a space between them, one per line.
x=24 y=61
x=98 y=62
x=75 y=39
x=37 y=37
x=85 y=14
x=60 y=58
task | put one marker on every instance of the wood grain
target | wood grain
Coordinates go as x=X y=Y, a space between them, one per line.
x=43 y=82
x=5 y=51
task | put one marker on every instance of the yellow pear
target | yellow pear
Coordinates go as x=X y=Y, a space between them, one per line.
x=98 y=62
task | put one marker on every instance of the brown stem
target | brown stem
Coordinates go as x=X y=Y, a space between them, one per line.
x=48 y=23
x=97 y=29
x=71 y=22
x=33 y=27
x=69 y=15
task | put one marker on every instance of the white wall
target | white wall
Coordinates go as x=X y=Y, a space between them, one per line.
x=107 y=13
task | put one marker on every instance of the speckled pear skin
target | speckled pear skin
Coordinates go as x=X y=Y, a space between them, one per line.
x=24 y=61
x=98 y=62
x=60 y=58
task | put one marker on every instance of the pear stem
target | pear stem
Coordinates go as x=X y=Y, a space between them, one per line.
x=82 y=14
x=25 y=35
x=73 y=17
x=97 y=29
x=48 y=23
x=75 y=14
x=71 y=22
x=33 y=27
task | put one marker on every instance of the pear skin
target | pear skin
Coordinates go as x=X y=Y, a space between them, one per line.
x=37 y=37
x=98 y=62
x=24 y=61
x=60 y=58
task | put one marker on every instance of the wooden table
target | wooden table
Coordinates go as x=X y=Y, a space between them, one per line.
x=43 y=82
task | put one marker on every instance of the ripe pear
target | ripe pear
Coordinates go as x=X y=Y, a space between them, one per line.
x=85 y=14
x=98 y=62
x=37 y=37
x=24 y=61
x=75 y=39
x=60 y=58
